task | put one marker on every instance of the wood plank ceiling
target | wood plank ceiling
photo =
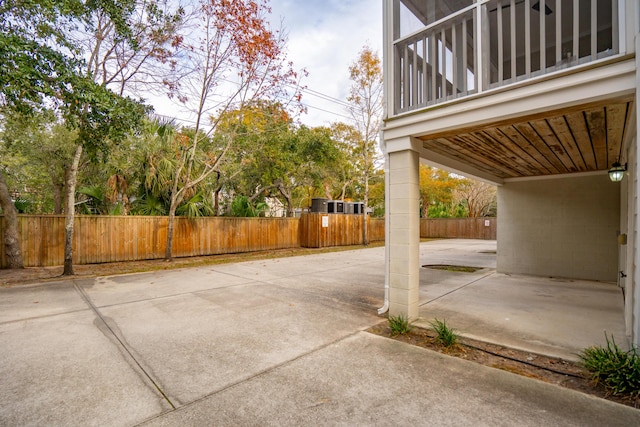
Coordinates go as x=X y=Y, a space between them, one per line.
x=583 y=139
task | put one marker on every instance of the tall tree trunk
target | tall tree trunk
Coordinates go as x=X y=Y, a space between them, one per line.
x=327 y=191
x=11 y=235
x=288 y=197
x=365 y=230
x=58 y=191
x=70 y=202
x=289 y=207
x=344 y=190
x=216 y=202
x=168 y=251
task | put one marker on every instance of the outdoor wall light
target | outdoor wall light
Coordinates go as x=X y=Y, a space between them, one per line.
x=616 y=173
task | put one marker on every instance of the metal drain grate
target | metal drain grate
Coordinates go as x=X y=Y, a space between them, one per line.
x=455 y=268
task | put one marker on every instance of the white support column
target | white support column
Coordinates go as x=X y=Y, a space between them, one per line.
x=635 y=198
x=631 y=281
x=404 y=236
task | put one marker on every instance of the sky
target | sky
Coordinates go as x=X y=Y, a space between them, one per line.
x=325 y=38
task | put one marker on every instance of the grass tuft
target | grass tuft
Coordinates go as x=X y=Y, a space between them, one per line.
x=399 y=325
x=445 y=335
x=616 y=369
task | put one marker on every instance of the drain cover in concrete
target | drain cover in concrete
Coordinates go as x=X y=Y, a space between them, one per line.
x=456 y=268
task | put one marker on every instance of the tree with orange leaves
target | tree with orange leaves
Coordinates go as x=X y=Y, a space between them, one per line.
x=232 y=59
x=365 y=96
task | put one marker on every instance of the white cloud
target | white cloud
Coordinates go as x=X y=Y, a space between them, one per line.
x=325 y=38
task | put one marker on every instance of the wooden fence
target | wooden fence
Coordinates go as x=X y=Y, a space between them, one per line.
x=99 y=239
x=320 y=230
x=459 y=228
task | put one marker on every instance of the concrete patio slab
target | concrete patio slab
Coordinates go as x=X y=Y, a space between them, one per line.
x=281 y=342
x=553 y=316
x=34 y=301
x=128 y=288
x=369 y=380
x=66 y=369
x=205 y=341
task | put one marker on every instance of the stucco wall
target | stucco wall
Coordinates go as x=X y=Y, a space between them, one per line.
x=564 y=227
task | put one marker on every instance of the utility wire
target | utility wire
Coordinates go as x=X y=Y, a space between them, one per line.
x=327 y=98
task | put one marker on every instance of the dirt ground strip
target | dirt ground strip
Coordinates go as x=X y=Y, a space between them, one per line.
x=544 y=368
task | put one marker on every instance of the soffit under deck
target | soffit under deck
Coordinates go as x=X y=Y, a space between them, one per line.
x=582 y=139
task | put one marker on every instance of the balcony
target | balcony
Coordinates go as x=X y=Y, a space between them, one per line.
x=449 y=49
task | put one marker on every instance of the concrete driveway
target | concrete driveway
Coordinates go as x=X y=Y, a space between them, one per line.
x=274 y=342
x=552 y=316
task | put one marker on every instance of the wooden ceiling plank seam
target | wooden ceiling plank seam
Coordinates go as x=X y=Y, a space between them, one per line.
x=524 y=153
x=472 y=147
x=484 y=153
x=616 y=119
x=550 y=138
x=498 y=154
x=514 y=135
x=574 y=143
x=531 y=163
x=551 y=150
x=460 y=146
x=580 y=132
x=466 y=156
x=483 y=167
x=563 y=131
x=530 y=134
x=509 y=155
x=435 y=148
x=596 y=125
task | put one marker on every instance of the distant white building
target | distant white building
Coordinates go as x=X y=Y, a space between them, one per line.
x=276 y=208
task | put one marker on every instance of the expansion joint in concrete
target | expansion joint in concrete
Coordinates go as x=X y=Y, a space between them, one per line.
x=123 y=346
x=458 y=288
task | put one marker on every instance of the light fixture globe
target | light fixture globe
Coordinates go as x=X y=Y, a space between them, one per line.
x=616 y=173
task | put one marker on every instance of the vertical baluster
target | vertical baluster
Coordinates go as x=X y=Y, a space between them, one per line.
x=615 y=34
x=558 y=33
x=465 y=84
x=594 y=30
x=481 y=54
x=414 y=75
x=425 y=73
x=500 y=37
x=512 y=26
x=397 y=88
x=434 y=68
x=454 y=60
x=543 y=38
x=576 y=30
x=443 y=59
x=406 y=79
x=527 y=37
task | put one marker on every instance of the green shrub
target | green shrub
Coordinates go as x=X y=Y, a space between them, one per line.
x=399 y=325
x=444 y=335
x=616 y=369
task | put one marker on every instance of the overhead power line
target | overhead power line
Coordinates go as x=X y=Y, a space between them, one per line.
x=327 y=97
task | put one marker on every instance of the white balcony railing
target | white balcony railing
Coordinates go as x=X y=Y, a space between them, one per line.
x=454 y=56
